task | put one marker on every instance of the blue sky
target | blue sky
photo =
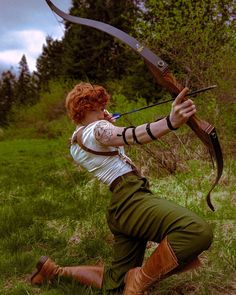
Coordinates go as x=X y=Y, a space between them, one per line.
x=24 y=25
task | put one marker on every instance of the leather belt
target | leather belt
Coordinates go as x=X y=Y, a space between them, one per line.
x=120 y=178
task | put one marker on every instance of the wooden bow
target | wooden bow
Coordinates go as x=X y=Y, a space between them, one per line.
x=160 y=70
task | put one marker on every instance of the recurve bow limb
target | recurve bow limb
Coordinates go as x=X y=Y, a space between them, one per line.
x=204 y=130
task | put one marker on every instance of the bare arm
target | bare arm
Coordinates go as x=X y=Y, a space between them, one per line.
x=108 y=134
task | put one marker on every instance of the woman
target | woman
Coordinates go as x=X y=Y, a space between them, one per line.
x=135 y=215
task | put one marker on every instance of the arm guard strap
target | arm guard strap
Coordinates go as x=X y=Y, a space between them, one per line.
x=149 y=132
x=123 y=133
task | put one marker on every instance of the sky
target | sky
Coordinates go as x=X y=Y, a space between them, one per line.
x=24 y=26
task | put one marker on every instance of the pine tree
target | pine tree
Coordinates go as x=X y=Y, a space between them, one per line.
x=49 y=63
x=24 y=93
x=93 y=54
x=7 y=98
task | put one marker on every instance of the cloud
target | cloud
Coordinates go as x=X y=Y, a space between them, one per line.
x=28 y=42
x=28 y=13
x=24 y=26
x=17 y=43
x=11 y=58
x=31 y=40
x=24 y=39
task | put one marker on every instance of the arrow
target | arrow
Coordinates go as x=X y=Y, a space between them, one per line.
x=116 y=116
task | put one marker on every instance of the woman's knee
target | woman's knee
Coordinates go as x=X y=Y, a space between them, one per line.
x=191 y=240
x=205 y=235
x=201 y=237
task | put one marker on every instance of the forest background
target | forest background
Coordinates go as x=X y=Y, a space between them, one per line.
x=51 y=207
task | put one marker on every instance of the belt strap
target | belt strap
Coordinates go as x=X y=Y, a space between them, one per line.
x=120 y=178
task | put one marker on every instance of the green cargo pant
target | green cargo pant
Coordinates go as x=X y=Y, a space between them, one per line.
x=136 y=216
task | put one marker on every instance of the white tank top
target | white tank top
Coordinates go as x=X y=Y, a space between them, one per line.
x=105 y=168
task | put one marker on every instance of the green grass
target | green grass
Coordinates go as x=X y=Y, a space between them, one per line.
x=50 y=207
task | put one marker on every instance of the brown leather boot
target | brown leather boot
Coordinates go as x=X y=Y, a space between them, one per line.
x=161 y=262
x=195 y=263
x=48 y=270
x=192 y=264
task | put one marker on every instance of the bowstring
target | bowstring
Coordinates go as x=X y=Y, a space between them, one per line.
x=58 y=21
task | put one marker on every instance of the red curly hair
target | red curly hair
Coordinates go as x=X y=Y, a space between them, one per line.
x=85 y=97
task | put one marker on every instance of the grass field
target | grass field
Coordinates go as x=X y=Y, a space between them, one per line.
x=50 y=207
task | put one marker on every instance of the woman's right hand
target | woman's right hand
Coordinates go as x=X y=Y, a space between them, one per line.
x=108 y=116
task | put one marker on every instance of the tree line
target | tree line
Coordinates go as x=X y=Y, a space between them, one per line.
x=17 y=91
x=196 y=37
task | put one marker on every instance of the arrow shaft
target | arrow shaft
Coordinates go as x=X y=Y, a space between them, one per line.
x=162 y=102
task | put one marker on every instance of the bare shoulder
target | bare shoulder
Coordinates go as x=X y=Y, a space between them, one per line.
x=104 y=131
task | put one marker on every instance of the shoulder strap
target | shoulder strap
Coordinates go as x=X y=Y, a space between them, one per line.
x=77 y=138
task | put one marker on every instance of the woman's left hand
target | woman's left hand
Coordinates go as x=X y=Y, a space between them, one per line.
x=182 y=109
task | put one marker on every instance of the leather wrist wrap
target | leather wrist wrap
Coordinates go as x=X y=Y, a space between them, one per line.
x=169 y=123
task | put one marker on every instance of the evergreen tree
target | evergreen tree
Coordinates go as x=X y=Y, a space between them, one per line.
x=23 y=91
x=49 y=63
x=95 y=55
x=7 y=97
